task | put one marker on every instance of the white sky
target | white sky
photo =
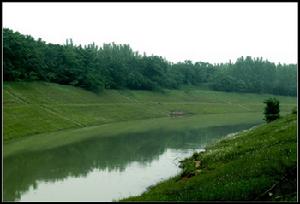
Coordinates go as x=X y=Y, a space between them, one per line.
x=209 y=32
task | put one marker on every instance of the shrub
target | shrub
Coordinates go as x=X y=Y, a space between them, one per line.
x=271 y=110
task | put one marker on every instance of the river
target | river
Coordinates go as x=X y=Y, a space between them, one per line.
x=105 y=168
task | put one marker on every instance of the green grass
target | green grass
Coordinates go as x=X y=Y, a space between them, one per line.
x=258 y=164
x=32 y=108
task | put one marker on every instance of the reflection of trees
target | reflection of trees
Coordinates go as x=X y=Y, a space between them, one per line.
x=112 y=153
x=199 y=138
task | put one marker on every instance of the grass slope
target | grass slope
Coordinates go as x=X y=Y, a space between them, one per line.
x=258 y=164
x=31 y=108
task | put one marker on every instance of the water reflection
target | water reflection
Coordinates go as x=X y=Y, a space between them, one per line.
x=103 y=168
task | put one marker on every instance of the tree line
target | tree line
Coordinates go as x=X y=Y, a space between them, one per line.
x=117 y=66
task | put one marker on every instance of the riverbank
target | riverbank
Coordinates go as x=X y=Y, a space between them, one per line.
x=259 y=164
x=32 y=108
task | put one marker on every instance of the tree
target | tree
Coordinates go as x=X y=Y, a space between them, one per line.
x=271 y=110
x=117 y=66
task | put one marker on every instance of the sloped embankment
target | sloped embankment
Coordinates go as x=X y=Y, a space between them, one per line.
x=31 y=108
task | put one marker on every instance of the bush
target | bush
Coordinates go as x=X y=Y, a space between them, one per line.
x=271 y=110
x=294 y=111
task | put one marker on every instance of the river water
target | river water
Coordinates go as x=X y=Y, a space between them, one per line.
x=106 y=168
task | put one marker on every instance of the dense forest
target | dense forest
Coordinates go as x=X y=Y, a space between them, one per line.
x=115 y=66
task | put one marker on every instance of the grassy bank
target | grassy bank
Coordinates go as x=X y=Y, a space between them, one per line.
x=259 y=164
x=32 y=108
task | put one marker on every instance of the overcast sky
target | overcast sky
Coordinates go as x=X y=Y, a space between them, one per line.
x=210 y=32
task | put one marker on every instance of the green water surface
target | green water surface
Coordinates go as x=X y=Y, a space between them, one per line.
x=104 y=168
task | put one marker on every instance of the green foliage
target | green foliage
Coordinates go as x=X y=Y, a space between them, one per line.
x=271 y=110
x=256 y=76
x=294 y=110
x=114 y=66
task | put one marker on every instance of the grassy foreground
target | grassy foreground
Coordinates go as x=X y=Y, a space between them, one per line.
x=258 y=164
x=31 y=108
